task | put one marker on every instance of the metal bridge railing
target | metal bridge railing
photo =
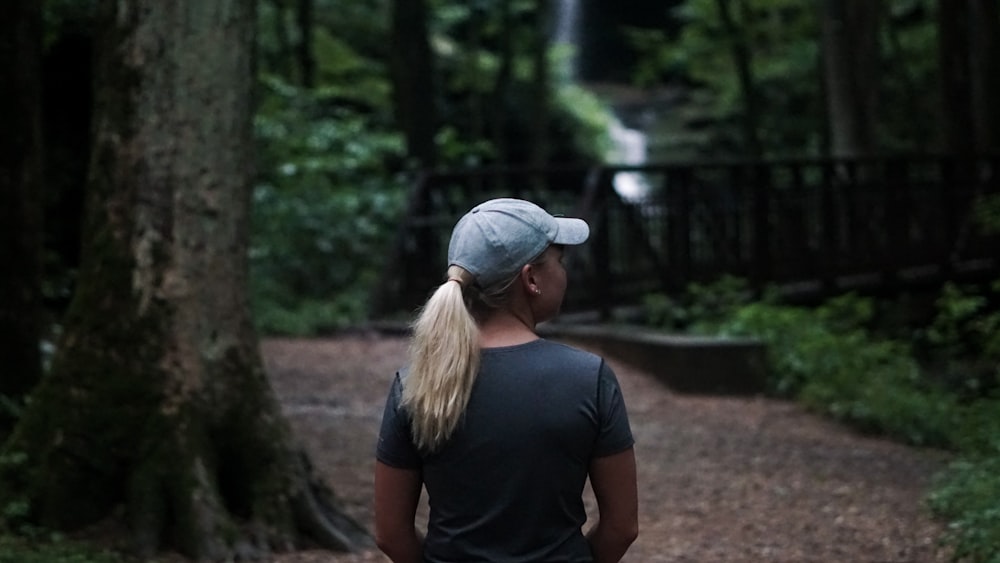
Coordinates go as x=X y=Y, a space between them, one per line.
x=821 y=226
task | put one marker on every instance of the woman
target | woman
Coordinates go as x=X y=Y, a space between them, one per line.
x=503 y=427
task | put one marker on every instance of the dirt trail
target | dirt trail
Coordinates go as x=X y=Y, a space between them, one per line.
x=721 y=479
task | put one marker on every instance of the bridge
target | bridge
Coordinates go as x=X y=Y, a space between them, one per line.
x=811 y=227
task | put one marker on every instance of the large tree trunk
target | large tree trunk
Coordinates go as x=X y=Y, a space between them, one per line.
x=157 y=400
x=985 y=39
x=743 y=61
x=851 y=66
x=541 y=87
x=20 y=201
x=501 y=86
x=953 y=44
x=304 y=11
x=413 y=79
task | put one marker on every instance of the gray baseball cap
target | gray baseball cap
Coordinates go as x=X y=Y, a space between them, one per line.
x=497 y=237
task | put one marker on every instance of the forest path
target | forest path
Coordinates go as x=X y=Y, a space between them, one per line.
x=720 y=478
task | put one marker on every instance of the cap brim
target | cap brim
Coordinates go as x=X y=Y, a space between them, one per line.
x=571 y=231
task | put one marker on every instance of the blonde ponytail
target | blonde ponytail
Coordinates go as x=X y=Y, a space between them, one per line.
x=444 y=361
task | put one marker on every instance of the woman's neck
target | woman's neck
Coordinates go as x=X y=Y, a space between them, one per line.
x=506 y=328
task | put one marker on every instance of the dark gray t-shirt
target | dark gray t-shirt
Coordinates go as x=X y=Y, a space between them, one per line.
x=507 y=486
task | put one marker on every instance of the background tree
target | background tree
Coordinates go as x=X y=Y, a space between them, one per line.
x=304 y=10
x=743 y=61
x=412 y=70
x=67 y=103
x=20 y=203
x=912 y=87
x=157 y=398
x=502 y=82
x=744 y=76
x=954 y=58
x=541 y=96
x=851 y=65
x=985 y=39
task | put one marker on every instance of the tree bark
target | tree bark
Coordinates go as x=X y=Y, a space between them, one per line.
x=953 y=46
x=541 y=87
x=157 y=400
x=501 y=85
x=304 y=10
x=851 y=65
x=743 y=60
x=985 y=21
x=413 y=80
x=279 y=59
x=20 y=201
x=920 y=133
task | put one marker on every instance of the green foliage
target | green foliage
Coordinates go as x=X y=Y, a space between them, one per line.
x=987 y=213
x=956 y=320
x=710 y=304
x=348 y=42
x=15 y=507
x=963 y=341
x=61 y=16
x=346 y=75
x=489 y=82
x=586 y=121
x=968 y=495
x=910 y=50
x=325 y=209
x=662 y=311
x=825 y=357
x=455 y=150
x=281 y=314
x=780 y=40
x=363 y=25
x=978 y=431
x=53 y=550
x=884 y=397
x=701 y=308
x=330 y=193
x=656 y=56
x=9 y=408
x=829 y=359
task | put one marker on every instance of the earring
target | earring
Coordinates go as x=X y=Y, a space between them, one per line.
x=538 y=291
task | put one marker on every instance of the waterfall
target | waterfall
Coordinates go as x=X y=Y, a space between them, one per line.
x=628 y=145
x=567 y=29
x=567 y=32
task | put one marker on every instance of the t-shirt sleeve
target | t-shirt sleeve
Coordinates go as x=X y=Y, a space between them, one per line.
x=615 y=433
x=395 y=445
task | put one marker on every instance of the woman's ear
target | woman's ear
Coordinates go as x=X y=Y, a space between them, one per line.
x=528 y=280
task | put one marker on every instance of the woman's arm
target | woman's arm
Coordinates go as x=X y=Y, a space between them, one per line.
x=614 y=481
x=397 y=492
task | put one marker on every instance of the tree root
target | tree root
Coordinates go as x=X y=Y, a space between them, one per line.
x=318 y=514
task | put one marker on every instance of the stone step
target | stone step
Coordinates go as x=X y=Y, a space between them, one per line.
x=686 y=364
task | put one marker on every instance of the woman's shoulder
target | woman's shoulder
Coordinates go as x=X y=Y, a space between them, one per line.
x=565 y=348
x=570 y=354
x=545 y=352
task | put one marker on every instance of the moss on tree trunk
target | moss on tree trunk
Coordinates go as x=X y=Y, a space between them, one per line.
x=157 y=401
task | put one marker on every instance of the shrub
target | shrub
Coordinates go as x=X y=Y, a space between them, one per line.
x=963 y=341
x=53 y=550
x=829 y=358
x=324 y=210
x=824 y=356
x=968 y=495
x=702 y=307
